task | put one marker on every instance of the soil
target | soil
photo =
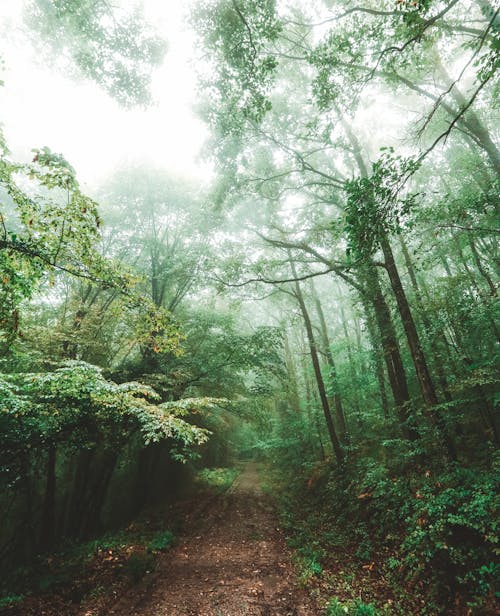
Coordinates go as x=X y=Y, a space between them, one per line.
x=231 y=561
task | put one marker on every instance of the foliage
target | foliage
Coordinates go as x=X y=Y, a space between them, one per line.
x=438 y=525
x=452 y=533
x=236 y=33
x=48 y=226
x=117 y=49
x=219 y=478
x=336 y=608
x=76 y=405
x=375 y=206
x=161 y=541
x=222 y=358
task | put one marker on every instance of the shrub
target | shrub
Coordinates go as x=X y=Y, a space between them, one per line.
x=452 y=533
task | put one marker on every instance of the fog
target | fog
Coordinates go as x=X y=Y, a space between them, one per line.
x=40 y=106
x=254 y=242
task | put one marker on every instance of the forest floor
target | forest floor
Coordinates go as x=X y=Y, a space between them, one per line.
x=229 y=558
x=232 y=561
x=226 y=547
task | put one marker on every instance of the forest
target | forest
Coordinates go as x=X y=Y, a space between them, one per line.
x=249 y=307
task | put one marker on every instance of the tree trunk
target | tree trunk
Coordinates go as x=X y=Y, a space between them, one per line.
x=377 y=358
x=292 y=391
x=423 y=375
x=391 y=352
x=311 y=408
x=74 y=516
x=437 y=342
x=424 y=378
x=337 y=449
x=337 y=398
x=97 y=494
x=482 y=270
x=352 y=369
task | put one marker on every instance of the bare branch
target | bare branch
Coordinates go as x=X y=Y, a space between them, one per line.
x=265 y=280
x=444 y=135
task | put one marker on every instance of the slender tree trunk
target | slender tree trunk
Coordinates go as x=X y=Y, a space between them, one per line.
x=465 y=265
x=437 y=343
x=352 y=368
x=391 y=352
x=337 y=449
x=424 y=378
x=29 y=539
x=293 y=394
x=78 y=492
x=482 y=270
x=423 y=375
x=311 y=408
x=97 y=496
x=445 y=264
x=337 y=398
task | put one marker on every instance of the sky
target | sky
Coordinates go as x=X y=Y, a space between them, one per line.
x=39 y=106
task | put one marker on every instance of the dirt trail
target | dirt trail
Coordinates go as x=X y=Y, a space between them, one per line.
x=233 y=561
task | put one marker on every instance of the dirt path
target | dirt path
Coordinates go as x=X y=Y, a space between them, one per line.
x=233 y=561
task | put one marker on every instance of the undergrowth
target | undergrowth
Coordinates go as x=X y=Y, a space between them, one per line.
x=423 y=542
x=218 y=479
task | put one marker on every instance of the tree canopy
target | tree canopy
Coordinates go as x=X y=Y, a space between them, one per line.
x=325 y=302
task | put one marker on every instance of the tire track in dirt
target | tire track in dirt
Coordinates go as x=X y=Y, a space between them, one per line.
x=232 y=561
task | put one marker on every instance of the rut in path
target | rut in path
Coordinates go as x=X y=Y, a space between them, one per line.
x=233 y=561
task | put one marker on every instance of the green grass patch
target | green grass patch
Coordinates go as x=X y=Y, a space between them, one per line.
x=161 y=542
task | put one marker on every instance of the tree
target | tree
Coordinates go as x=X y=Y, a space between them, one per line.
x=47 y=225
x=115 y=48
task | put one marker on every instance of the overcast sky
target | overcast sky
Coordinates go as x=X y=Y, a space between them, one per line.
x=41 y=107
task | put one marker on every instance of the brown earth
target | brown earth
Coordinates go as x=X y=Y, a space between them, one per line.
x=231 y=561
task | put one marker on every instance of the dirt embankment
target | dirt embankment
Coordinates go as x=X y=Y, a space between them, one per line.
x=232 y=561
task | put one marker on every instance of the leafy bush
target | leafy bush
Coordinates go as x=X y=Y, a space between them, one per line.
x=452 y=533
x=436 y=528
